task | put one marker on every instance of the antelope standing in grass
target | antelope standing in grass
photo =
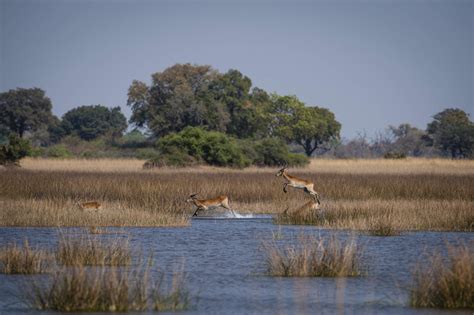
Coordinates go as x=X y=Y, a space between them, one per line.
x=205 y=204
x=91 y=205
x=311 y=206
x=298 y=183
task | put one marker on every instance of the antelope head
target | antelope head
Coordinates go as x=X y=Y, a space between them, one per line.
x=280 y=172
x=191 y=198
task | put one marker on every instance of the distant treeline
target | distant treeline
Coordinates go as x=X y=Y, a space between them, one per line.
x=191 y=114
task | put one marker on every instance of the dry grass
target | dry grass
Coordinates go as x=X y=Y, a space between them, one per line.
x=103 y=289
x=445 y=283
x=319 y=166
x=314 y=257
x=413 y=194
x=87 y=250
x=389 y=217
x=24 y=259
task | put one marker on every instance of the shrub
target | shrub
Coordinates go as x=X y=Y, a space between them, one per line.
x=445 y=283
x=58 y=151
x=395 y=155
x=12 y=152
x=212 y=147
x=274 y=152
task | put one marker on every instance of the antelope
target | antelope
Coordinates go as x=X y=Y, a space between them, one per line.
x=298 y=183
x=310 y=206
x=91 y=205
x=205 y=204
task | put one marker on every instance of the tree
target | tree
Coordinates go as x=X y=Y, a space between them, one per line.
x=452 y=132
x=14 y=150
x=178 y=97
x=24 y=110
x=90 y=122
x=408 y=140
x=310 y=127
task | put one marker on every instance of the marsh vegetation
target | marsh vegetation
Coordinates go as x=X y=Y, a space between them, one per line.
x=405 y=195
x=445 y=282
x=314 y=257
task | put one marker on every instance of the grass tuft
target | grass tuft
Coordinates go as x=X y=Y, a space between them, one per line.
x=106 y=289
x=445 y=283
x=24 y=260
x=90 y=250
x=314 y=257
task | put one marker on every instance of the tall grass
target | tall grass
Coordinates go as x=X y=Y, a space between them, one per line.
x=445 y=283
x=314 y=257
x=25 y=260
x=87 y=250
x=107 y=289
x=436 y=197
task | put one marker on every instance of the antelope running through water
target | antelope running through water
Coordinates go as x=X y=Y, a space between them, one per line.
x=298 y=183
x=205 y=204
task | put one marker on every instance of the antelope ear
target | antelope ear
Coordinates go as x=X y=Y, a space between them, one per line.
x=193 y=195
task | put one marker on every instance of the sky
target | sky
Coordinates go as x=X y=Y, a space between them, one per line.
x=372 y=63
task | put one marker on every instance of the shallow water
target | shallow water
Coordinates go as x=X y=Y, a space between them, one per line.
x=225 y=268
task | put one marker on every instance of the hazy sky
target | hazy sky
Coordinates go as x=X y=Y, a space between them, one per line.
x=373 y=63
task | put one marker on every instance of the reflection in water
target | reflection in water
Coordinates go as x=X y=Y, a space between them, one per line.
x=226 y=268
x=340 y=294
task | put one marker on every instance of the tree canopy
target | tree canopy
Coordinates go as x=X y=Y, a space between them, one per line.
x=191 y=95
x=309 y=127
x=452 y=132
x=25 y=110
x=90 y=122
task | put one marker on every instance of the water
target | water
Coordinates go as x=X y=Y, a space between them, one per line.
x=225 y=268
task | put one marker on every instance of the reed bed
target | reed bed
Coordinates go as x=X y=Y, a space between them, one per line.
x=437 y=195
x=106 y=289
x=388 y=217
x=87 y=250
x=445 y=283
x=24 y=260
x=314 y=257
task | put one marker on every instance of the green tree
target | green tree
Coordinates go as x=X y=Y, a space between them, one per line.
x=452 y=132
x=90 y=122
x=310 y=127
x=13 y=151
x=178 y=97
x=24 y=110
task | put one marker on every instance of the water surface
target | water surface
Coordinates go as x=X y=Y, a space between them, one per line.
x=225 y=268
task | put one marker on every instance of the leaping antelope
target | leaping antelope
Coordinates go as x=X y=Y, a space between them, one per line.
x=298 y=183
x=91 y=205
x=205 y=204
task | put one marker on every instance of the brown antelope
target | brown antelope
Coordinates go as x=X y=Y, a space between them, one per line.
x=311 y=206
x=205 y=204
x=298 y=183
x=91 y=205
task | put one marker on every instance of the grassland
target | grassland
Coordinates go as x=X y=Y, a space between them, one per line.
x=413 y=194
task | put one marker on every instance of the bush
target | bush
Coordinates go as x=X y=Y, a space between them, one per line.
x=58 y=151
x=194 y=144
x=395 y=155
x=274 y=152
x=12 y=152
